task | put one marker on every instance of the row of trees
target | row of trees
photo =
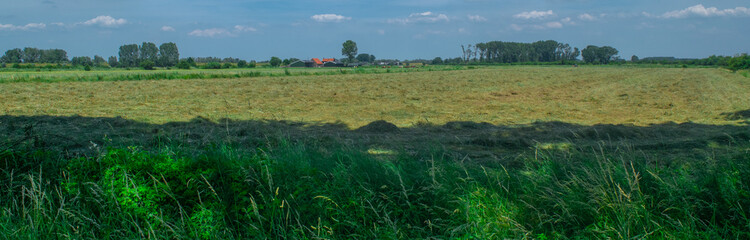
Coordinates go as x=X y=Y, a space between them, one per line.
x=512 y=52
x=132 y=55
x=34 y=55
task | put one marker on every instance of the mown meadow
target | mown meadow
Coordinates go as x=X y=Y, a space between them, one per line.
x=517 y=152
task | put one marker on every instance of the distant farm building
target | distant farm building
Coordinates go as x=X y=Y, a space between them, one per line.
x=316 y=62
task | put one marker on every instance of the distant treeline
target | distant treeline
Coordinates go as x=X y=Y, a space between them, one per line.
x=34 y=55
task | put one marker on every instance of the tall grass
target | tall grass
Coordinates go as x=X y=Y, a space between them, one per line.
x=321 y=189
x=118 y=75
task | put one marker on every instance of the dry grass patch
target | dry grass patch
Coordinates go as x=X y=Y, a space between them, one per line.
x=499 y=95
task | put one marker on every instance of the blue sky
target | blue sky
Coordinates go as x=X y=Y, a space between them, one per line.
x=393 y=29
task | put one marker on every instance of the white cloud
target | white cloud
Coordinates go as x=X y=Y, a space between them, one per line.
x=534 y=14
x=381 y=31
x=553 y=25
x=701 y=11
x=426 y=17
x=586 y=17
x=329 y=18
x=477 y=18
x=106 y=21
x=240 y=28
x=26 y=27
x=167 y=29
x=567 y=21
x=59 y=24
x=211 y=32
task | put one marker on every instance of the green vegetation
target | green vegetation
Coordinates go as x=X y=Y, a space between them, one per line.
x=319 y=186
x=21 y=74
x=591 y=152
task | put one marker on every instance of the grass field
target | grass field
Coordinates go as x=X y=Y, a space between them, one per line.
x=516 y=152
x=507 y=95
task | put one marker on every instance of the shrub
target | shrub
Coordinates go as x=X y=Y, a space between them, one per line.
x=148 y=65
x=242 y=64
x=212 y=65
x=183 y=65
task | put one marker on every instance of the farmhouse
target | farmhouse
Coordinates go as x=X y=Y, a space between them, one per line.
x=316 y=62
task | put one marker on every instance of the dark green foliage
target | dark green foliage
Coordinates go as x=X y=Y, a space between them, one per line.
x=297 y=189
x=598 y=55
x=149 y=51
x=437 y=61
x=112 y=61
x=349 y=49
x=242 y=64
x=513 y=52
x=739 y=62
x=251 y=64
x=100 y=62
x=169 y=55
x=129 y=55
x=227 y=65
x=82 y=61
x=364 y=57
x=275 y=61
x=212 y=65
x=147 y=65
x=12 y=56
x=183 y=64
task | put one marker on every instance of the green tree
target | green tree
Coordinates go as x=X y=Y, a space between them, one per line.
x=606 y=54
x=82 y=61
x=242 y=64
x=212 y=65
x=364 y=57
x=349 y=49
x=32 y=55
x=147 y=64
x=149 y=51
x=112 y=61
x=169 y=55
x=634 y=58
x=129 y=55
x=437 y=60
x=183 y=64
x=589 y=54
x=13 y=56
x=99 y=61
x=53 y=56
x=739 y=62
x=191 y=62
x=275 y=61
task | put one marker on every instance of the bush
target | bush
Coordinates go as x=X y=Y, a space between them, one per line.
x=252 y=64
x=275 y=61
x=227 y=65
x=87 y=68
x=242 y=64
x=212 y=65
x=183 y=65
x=739 y=62
x=148 y=65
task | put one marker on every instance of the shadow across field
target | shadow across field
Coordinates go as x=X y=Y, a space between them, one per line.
x=78 y=136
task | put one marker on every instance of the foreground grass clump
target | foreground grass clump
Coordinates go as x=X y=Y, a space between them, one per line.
x=324 y=189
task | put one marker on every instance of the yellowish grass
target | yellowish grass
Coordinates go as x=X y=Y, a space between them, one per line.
x=498 y=95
